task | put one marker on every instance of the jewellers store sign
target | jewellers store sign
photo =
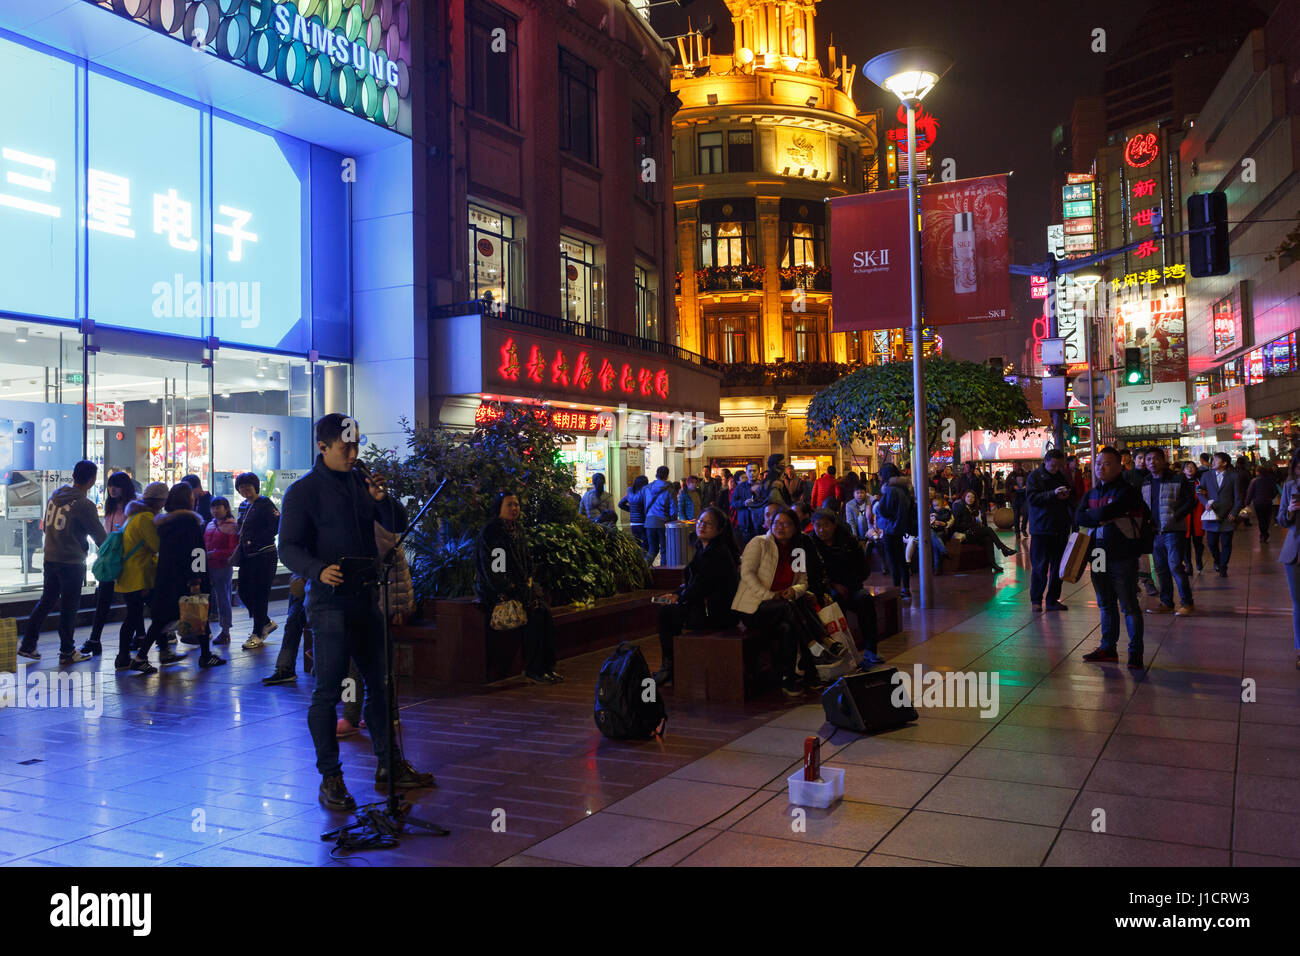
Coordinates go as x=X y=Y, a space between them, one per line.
x=353 y=54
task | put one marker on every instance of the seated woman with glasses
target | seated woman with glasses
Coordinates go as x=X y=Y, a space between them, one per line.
x=708 y=587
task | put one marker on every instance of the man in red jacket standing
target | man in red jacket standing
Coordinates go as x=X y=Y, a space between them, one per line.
x=826 y=491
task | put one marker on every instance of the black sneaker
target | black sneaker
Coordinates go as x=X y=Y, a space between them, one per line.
x=92 y=648
x=1057 y=606
x=280 y=676
x=76 y=657
x=1101 y=655
x=169 y=656
x=334 y=794
x=143 y=667
x=122 y=662
x=211 y=660
x=408 y=778
x=1135 y=663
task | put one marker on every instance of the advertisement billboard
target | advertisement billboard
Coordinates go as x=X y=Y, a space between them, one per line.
x=1158 y=327
x=1076 y=192
x=1004 y=446
x=1143 y=405
x=870 y=271
x=965 y=251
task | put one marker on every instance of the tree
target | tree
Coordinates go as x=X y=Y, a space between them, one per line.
x=875 y=403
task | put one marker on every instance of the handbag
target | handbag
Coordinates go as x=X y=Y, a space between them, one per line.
x=194 y=618
x=508 y=615
x=1075 y=557
x=839 y=638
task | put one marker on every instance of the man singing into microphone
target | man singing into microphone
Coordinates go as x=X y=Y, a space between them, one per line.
x=327 y=536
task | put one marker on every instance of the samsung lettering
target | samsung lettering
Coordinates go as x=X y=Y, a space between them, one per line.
x=336 y=46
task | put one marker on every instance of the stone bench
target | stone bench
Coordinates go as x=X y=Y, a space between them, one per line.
x=455 y=645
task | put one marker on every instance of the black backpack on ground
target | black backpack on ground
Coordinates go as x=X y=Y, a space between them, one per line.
x=621 y=711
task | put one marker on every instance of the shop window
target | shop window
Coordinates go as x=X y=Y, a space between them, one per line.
x=492 y=248
x=740 y=151
x=40 y=437
x=710 y=153
x=647 y=304
x=577 y=108
x=492 y=71
x=581 y=282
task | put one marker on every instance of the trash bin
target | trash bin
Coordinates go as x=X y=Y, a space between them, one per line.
x=677 y=544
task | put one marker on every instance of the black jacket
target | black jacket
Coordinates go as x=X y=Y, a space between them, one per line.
x=257 y=529
x=709 y=586
x=330 y=515
x=1048 y=514
x=180 y=533
x=841 y=562
x=497 y=580
x=1115 y=510
x=965 y=520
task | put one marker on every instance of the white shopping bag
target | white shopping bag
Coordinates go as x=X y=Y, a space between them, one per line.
x=838 y=633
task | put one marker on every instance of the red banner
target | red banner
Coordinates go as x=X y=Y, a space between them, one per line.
x=870 y=268
x=965 y=251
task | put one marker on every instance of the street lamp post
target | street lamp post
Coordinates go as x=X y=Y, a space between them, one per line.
x=909 y=74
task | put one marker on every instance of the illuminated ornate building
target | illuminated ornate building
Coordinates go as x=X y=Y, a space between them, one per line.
x=764 y=136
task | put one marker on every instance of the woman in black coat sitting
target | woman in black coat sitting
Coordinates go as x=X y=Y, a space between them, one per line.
x=841 y=573
x=966 y=521
x=504 y=572
x=708 y=588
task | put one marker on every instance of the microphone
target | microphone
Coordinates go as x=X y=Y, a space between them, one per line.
x=360 y=468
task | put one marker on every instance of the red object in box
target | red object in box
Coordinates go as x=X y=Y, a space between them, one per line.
x=812 y=758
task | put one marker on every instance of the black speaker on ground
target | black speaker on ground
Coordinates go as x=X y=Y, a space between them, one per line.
x=864 y=703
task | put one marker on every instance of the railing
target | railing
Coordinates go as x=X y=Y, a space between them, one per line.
x=553 y=323
x=753 y=375
x=730 y=279
x=806 y=277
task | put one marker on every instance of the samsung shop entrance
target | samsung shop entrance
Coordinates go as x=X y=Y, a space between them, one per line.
x=178 y=280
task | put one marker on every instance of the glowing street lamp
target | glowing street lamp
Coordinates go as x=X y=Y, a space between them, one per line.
x=911 y=73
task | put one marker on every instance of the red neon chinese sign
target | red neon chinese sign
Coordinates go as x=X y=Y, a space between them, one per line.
x=927 y=128
x=574 y=422
x=1141 y=150
x=578 y=371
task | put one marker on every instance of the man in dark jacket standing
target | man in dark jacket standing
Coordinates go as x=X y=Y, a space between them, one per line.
x=1260 y=493
x=771 y=490
x=70 y=518
x=1114 y=509
x=1018 y=490
x=327 y=535
x=709 y=487
x=1170 y=497
x=1048 y=493
x=1220 y=493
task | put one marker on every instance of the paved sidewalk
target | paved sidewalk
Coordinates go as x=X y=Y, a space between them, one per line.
x=1183 y=771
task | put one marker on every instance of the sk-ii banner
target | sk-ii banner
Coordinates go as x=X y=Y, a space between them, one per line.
x=870 y=271
x=965 y=251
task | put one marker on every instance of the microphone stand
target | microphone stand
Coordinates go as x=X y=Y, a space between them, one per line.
x=375 y=828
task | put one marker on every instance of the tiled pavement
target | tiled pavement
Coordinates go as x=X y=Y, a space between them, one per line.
x=214 y=769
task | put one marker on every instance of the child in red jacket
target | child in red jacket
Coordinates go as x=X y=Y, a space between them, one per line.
x=220 y=538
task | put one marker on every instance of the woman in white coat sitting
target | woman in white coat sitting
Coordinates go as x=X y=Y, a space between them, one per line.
x=773 y=575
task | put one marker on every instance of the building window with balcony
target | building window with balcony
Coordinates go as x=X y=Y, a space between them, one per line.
x=740 y=151
x=492 y=72
x=807 y=338
x=491 y=248
x=727 y=243
x=710 y=152
x=647 y=304
x=732 y=339
x=803 y=234
x=581 y=284
x=643 y=132
x=577 y=108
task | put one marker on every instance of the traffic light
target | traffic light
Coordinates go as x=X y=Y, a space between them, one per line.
x=1209 y=250
x=1134 y=373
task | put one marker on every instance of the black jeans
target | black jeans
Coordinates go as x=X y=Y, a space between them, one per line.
x=539 y=640
x=775 y=621
x=897 y=551
x=1220 y=544
x=62 y=586
x=345 y=630
x=133 y=623
x=255 y=576
x=1045 y=552
x=103 y=604
x=294 y=622
x=1264 y=513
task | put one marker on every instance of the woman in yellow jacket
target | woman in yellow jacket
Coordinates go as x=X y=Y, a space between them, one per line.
x=140 y=550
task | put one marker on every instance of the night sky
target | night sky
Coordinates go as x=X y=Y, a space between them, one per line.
x=1019 y=66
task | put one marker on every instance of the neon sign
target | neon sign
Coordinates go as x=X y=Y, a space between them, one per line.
x=927 y=128
x=577 y=422
x=626 y=378
x=1176 y=271
x=1141 y=150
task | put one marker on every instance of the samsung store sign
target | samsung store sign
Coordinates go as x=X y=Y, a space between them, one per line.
x=335 y=44
x=353 y=54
